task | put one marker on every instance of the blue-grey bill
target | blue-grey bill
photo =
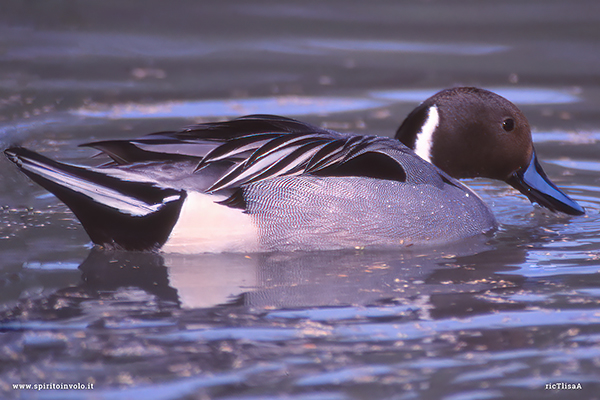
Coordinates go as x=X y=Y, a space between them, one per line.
x=535 y=184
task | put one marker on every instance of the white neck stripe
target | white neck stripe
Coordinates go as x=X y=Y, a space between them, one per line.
x=424 y=138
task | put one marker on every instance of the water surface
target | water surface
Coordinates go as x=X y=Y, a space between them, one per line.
x=494 y=317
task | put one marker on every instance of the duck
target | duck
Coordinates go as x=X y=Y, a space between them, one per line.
x=264 y=183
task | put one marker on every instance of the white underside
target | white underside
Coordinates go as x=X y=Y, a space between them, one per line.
x=207 y=227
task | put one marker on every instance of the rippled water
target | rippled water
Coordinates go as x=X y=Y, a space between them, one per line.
x=493 y=317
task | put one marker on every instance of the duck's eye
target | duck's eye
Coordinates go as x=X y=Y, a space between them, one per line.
x=508 y=124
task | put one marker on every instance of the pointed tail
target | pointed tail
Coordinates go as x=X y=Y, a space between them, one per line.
x=115 y=212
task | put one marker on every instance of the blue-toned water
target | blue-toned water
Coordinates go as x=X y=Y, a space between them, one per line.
x=496 y=317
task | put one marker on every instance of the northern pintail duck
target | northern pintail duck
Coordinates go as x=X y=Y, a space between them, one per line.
x=269 y=183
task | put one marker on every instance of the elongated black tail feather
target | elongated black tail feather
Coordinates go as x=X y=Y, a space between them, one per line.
x=116 y=213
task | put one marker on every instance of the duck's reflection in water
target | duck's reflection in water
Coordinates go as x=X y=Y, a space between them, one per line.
x=293 y=280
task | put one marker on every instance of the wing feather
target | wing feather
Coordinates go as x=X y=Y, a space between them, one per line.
x=285 y=161
x=258 y=147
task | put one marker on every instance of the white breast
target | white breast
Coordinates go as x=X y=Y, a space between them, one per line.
x=208 y=227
